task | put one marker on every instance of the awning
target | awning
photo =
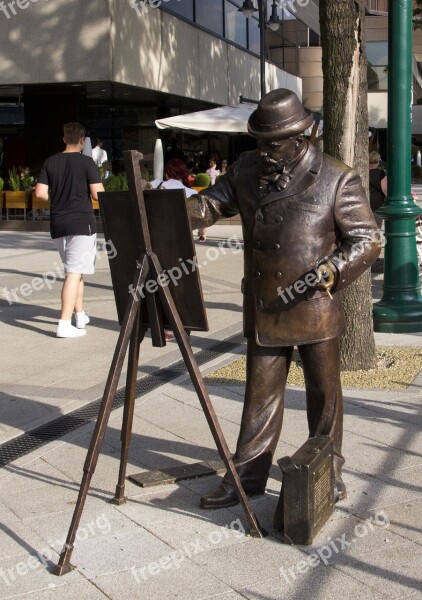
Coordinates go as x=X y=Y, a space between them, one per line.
x=224 y=119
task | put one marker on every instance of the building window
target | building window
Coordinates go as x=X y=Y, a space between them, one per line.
x=235 y=24
x=209 y=14
x=377 y=6
x=223 y=18
x=253 y=35
x=184 y=9
x=377 y=54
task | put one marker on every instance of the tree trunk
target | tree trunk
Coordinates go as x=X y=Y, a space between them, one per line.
x=345 y=114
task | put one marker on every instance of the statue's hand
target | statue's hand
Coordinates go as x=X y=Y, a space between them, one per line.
x=326 y=278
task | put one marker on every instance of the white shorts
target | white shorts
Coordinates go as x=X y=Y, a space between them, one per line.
x=78 y=253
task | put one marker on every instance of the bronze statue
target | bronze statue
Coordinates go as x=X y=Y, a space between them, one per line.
x=308 y=233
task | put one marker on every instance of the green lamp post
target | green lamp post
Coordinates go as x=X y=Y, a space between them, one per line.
x=400 y=308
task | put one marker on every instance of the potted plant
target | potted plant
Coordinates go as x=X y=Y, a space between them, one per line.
x=19 y=194
x=14 y=181
x=115 y=183
x=201 y=181
x=27 y=181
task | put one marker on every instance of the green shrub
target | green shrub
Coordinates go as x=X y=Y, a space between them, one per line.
x=115 y=183
x=14 y=181
x=123 y=180
x=202 y=180
x=112 y=184
x=27 y=180
x=1 y=184
x=20 y=182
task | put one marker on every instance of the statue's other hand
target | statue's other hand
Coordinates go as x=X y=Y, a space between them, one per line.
x=326 y=278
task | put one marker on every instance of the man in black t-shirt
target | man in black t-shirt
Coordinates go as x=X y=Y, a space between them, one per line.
x=72 y=178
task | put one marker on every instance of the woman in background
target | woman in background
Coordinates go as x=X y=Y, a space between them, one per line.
x=176 y=176
x=213 y=172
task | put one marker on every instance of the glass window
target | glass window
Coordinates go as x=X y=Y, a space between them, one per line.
x=236 y=24
x=377 y=54
x=377 y=5
x=254 y=40
x=209 y=14
x=184 y=9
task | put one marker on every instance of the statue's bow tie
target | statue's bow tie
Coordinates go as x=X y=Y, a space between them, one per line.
x=275 y=182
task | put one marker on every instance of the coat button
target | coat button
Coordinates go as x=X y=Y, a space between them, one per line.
x=278 y=274
x=257 y=244
x=259 y=304
x=259 y=216
x=257 y=274
x=278 y=219
x=276 y=247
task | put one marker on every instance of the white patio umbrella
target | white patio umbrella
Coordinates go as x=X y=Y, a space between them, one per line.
x=158 y=160
x=87 y=149
x=224 y=119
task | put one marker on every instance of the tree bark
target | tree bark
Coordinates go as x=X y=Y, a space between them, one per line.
x=345 y=135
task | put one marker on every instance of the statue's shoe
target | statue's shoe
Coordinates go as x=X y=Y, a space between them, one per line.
x=225 y=495
x=339 y=490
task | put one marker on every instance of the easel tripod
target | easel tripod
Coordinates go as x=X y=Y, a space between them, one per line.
x=131 y=335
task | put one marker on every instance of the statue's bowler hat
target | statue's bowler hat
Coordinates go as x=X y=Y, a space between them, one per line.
x=279 y=114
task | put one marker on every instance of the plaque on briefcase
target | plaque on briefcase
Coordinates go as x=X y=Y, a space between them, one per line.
x=307 y=498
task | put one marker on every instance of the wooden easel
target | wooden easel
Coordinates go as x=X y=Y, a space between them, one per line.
x=131 y=334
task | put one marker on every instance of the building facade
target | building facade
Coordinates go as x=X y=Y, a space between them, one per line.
x=117 y=65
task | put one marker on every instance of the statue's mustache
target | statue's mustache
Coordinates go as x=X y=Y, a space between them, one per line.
x=269 y=165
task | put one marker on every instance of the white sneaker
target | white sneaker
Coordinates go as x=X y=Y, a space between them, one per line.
x=67 y=330
x=81 y=319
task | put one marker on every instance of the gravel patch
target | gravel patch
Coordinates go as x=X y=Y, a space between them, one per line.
x=397 y=368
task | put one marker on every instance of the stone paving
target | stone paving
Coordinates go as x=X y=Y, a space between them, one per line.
x=160 y=544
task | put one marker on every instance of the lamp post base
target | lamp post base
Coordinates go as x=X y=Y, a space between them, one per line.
x=399 y=318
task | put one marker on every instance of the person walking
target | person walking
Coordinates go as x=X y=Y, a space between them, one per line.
x=308 y=233
x=69 y=179
x=99 y=155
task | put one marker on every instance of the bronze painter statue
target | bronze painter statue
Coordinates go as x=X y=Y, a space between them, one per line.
x=308 y=233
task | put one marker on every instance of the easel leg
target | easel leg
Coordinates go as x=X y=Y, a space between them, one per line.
x=132 y=310
x=201 y=390
x=129 y=406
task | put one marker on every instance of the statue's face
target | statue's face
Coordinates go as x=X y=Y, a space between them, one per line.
x=276 y=154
